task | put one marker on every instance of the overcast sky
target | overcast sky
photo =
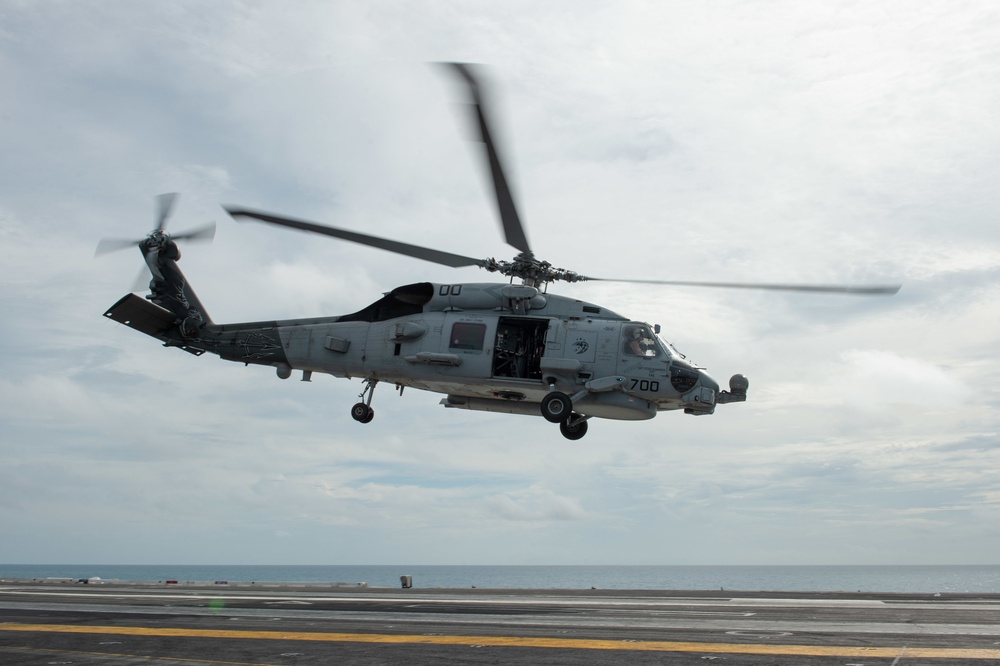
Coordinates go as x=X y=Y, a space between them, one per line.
x=761 y=141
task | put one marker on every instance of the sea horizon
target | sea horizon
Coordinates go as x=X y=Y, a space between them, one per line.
x=915 y=578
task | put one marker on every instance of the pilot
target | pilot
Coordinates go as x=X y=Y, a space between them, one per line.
x=638 y=344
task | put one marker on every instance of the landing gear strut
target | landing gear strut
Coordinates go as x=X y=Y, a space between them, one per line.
x=362 y=412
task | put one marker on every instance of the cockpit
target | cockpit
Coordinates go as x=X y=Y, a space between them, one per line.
x=639 y=340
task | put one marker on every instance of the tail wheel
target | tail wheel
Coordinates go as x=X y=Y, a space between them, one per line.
x=573 y=431
x=556 y=407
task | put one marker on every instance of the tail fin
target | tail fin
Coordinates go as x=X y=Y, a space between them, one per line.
x=195 y=303
x=172 y=312
x=170 y=289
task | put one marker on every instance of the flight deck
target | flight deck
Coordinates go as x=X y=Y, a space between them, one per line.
x=70 y=622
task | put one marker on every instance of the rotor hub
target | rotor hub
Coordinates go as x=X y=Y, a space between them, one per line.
x=531 y=270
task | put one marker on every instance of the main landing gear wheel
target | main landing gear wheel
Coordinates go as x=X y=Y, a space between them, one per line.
x=556 y=407
x=572 y=431
x=362 y=413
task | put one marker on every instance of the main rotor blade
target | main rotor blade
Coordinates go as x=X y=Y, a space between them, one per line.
x=860 y=290
x=427 y=254
x=512 y=227
x=164 y=208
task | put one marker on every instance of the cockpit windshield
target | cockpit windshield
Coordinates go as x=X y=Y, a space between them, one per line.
x=669 y=347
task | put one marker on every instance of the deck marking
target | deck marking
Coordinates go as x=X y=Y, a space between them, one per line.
x=180 y=660
x=524 y=641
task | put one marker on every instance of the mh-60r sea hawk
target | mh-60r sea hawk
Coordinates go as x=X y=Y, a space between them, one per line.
x=507 y=348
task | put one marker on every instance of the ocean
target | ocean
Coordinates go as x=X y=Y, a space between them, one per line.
x=909 y=578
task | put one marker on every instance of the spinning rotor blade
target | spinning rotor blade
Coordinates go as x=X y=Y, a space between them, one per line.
x=860 y=290
x=525 y=266
x=165 y=207
x=512 y=227
x=106 y=245
x=427 y=254
x=141 y=281
x=204 y=233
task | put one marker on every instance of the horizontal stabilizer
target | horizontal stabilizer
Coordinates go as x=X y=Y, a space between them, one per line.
x=138 y=313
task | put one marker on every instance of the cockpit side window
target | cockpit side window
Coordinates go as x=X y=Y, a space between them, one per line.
x=639 y=341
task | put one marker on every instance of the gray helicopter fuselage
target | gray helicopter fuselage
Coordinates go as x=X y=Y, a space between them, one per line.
x=490 y=347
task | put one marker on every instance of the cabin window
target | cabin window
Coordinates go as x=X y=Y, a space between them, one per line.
x=467 y=336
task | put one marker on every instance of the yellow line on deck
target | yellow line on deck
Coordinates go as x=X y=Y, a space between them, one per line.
x=524 y=641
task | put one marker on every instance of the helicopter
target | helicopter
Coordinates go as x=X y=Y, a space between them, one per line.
x=511 y=347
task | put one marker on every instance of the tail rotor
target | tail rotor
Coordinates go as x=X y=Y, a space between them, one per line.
x=165 y=204
x=164 y=210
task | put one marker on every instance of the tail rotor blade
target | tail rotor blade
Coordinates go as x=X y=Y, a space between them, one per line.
x=106 y=245
x=204 y=233
x=164 y=208
x=141 y=282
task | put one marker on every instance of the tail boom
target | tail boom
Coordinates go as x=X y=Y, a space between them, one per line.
x=257 y=343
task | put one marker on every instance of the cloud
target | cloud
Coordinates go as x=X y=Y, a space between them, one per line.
x=534 y=504
x=775 y=143
x=872 y=379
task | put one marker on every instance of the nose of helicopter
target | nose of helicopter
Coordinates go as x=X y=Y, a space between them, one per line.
x=705 y=380
x=701 y=398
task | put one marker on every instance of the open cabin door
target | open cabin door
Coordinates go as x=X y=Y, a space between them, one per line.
x=518 y=348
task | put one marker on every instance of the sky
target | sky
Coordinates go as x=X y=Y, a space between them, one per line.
x=785 y=141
